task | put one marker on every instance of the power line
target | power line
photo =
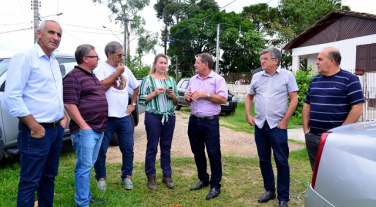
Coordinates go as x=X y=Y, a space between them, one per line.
x=15 y=30
x=201 y=19
x=16 y=23
x=84 y=27
x=105 y=33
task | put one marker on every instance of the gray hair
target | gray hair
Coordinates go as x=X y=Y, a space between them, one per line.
x=274 y=54
x=207 y=58
x=111 y=47
x=152 y=68
x=335 y=54
x=41 y=25
x=82 y=51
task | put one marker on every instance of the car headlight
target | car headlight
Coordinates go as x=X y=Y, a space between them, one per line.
x=233 y=98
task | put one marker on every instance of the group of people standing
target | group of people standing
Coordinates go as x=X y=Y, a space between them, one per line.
x=96 y=98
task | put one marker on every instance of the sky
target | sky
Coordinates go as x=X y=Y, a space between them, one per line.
x=82 y=22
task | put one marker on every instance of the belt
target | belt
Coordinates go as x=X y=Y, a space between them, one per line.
x=52 y=124
x=205 y=118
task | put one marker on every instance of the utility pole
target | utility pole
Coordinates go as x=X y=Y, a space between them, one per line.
x=126 y=20
x=217 y=52
x=35 y=6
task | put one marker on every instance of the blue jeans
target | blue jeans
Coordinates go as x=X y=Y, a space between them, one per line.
x=39 y=165
x=162 y=134
x=276 y=139
x=124 y=131
x=201 y=134
x=86 y=143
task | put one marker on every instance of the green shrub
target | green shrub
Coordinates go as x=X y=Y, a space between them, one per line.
x=303 y=79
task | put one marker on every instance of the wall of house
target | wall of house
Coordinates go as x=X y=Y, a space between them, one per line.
x=346 y=47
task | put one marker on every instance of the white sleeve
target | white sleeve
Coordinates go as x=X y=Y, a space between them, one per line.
x=133 y=83
x=99 y=72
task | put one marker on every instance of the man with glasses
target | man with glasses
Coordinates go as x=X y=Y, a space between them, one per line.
x=116 y=78
x=86 y=104
x=272 y=89
x=206 y=92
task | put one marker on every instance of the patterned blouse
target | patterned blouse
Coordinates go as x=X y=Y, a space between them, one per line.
x=160 y=104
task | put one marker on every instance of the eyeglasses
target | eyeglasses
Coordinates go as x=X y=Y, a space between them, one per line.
x=92 y=56
x=197 y=63
x=261 y=59
x=119 y=55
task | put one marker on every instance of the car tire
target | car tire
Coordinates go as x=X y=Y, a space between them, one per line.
x=114 y=140
x=177 y=107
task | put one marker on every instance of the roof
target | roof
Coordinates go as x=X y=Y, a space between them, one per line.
x=331 y=19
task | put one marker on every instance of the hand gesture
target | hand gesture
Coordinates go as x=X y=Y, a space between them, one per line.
x=170 y=93
x=251 y=120
x=159 y=91
x=120 y=68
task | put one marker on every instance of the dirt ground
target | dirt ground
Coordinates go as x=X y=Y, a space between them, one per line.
x=232 y=142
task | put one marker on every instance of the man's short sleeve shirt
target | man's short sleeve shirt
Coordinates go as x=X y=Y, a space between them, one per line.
x=331 y=98
x=272 y=95
x=117 y=94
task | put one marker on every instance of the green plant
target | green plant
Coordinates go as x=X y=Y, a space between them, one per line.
x=303 y=79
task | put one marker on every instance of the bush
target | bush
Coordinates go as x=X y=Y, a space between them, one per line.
x=303 y=79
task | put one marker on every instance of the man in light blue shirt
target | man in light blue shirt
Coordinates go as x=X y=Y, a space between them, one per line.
x=272 y=89
x=33 y=93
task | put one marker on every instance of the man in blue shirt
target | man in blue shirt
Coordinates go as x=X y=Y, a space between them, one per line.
x=334 y=98
x=272 y=88
x=33 y=93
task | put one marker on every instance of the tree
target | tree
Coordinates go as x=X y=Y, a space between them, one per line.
x=172 y=11
x=125 y=9
x=197 y=34
x=292 y=17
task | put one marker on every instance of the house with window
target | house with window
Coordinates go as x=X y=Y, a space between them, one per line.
x=354 y=34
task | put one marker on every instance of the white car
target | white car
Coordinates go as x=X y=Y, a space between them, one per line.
x=9 y=124
x=345 y=168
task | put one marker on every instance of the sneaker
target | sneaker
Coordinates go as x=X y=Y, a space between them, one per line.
x=101 y=184
x=151 y=182
x=128 y=183
x=168 y=182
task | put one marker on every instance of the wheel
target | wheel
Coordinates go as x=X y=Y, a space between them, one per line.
x=177 y=107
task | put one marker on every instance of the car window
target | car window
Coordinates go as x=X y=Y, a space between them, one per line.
x=3 y=65
x=185 y=84
x=66 y=64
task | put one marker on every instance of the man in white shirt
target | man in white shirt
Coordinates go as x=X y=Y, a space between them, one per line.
x=116 y=78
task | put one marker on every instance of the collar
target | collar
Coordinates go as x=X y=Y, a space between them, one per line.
x=41 y=53
x=211 y=74
x=85 y=71
x=277 y=71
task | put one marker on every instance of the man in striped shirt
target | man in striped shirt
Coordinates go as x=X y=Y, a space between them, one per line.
x=334 y=98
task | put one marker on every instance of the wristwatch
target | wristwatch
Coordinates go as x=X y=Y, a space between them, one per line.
x=134 y=104
x=207 y=95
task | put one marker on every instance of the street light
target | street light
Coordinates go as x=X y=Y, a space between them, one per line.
x=113 y=33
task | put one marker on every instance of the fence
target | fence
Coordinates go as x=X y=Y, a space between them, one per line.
x=238 y=84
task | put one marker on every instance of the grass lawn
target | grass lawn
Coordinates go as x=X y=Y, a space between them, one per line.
x=241 y=184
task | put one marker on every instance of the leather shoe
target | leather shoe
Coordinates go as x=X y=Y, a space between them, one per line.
x=199 y=185
x=282 y=204
x=266 y=197
x=92 y=200
x=213 y=193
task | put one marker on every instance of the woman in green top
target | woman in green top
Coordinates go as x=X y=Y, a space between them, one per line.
x=158 y=95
